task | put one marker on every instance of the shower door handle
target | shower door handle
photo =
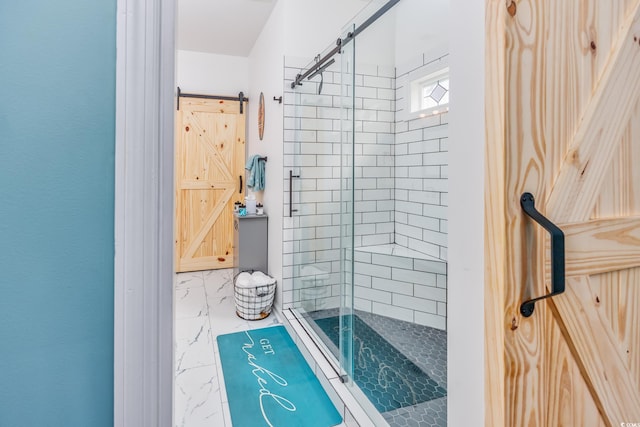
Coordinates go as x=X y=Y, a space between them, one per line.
x=291 y=176
x=527 y=202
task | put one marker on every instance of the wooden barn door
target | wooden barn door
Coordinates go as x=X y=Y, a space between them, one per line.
x=210 y=155
x=563 y=123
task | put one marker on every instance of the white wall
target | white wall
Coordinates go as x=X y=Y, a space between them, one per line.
x=465 y=356
x=421 y=26
x=376 y=45
x=211 y=74
x=266 y=68
x=406 y=31
x=314 y=25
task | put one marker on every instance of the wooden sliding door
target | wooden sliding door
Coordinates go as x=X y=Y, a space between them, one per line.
x=210 y=155
x=563 y=123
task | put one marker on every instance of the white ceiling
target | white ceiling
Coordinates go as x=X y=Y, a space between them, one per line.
x=225 y=27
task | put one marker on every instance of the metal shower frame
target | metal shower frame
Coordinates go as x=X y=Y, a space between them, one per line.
x=341 y=42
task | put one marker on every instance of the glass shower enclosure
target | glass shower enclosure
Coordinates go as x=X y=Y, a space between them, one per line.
x=319 y=231
x=365 y=215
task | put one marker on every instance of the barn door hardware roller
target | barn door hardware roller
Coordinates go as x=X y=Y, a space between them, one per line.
x=241 y=98
x=527 y=202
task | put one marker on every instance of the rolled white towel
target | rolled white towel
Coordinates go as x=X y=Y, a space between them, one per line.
x=244 y=280
x=261 y=279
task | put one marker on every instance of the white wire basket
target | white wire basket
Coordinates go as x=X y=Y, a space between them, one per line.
x=253 y=303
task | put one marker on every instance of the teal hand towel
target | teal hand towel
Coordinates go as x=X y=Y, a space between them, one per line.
x=255 y=166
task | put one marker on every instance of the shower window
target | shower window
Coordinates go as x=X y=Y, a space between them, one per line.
x=434 y=93
x=428 y=91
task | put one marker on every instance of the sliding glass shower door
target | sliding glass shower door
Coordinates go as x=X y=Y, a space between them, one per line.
x=347 y=211
x=318 y=237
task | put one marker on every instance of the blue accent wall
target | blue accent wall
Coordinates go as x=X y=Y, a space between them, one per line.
x=57 y=131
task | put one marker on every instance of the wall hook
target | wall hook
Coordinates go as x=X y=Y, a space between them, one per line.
x=279 y=99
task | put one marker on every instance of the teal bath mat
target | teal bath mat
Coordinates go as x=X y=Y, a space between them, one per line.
x=269 y=383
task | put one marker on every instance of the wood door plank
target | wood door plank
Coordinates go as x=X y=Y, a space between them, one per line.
x=602 y=245
x=523 y=164
x=211 y=147
x=204 y=230
x=596 y=350
x=202 y=184
x=575 y=191
x=620 y=192
x=177 y=224
x=211 y=105
x=495 y=220
x=206 y=263
x=193 y=157
x=619 y=294
x=225 y=127
x=568 y=398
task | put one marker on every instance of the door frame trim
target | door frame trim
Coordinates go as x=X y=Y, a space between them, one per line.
x=143 y=264
x=466 y=256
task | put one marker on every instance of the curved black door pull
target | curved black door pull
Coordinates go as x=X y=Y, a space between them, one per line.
x=527 y=202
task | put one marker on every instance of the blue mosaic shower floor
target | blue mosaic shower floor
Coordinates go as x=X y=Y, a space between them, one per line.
x=386 y=376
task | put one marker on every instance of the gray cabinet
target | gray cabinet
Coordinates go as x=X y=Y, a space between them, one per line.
x=250 y=243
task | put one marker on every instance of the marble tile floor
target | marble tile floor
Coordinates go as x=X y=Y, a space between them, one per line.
x=204 y=309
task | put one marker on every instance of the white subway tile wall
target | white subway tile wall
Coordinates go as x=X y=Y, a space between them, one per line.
x=400 y=197
x=421 y=160
x=412 y=284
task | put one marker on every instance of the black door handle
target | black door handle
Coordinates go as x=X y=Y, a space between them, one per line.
x=527 y=202
x=291 y=176
x=240 y=191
